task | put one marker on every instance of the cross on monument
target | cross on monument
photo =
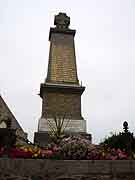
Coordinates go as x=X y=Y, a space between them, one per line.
x=62 y=21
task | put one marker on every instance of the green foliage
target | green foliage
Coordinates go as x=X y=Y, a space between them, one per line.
x=124 y=141
x=57 y=128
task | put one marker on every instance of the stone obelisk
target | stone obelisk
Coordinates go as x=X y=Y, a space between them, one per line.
x=61 y=91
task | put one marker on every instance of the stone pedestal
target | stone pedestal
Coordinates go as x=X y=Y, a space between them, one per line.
x=77 y=126
x=72 y=127
x=43 y=138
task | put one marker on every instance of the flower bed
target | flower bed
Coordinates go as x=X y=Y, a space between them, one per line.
x=75 y=148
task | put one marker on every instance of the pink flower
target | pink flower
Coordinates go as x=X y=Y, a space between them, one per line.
x=46 y=153
x=113 y=157
x=2 y=150
x=55 y=149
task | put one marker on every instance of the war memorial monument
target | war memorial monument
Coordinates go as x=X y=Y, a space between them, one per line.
x=61 y=92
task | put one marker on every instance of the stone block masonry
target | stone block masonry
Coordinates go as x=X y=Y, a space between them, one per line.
x=63 y=104
x=38 y=169
x=62 y=61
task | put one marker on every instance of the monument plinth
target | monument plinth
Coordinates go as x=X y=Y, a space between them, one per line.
x=61 y=91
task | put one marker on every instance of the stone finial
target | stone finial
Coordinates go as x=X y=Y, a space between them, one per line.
x=125 y=126
x=62 y=21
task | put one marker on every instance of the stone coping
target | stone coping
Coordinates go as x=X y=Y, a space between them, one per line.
x=92 y=166
x=42 y=169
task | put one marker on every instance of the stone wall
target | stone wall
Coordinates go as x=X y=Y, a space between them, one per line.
x=30 y=169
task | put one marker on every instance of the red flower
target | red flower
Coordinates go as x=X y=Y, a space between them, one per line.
x=18 y=153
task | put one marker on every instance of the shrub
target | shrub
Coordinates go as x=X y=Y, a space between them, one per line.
x=123 y=141
x=75 y=147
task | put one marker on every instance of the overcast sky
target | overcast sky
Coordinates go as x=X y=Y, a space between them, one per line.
x=105 y=50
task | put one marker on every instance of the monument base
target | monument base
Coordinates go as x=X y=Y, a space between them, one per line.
x=72 y=128
x=43 y=138
x=73 y=125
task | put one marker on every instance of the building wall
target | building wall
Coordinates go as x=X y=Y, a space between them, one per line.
x=30 y=169
x=4 y=109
